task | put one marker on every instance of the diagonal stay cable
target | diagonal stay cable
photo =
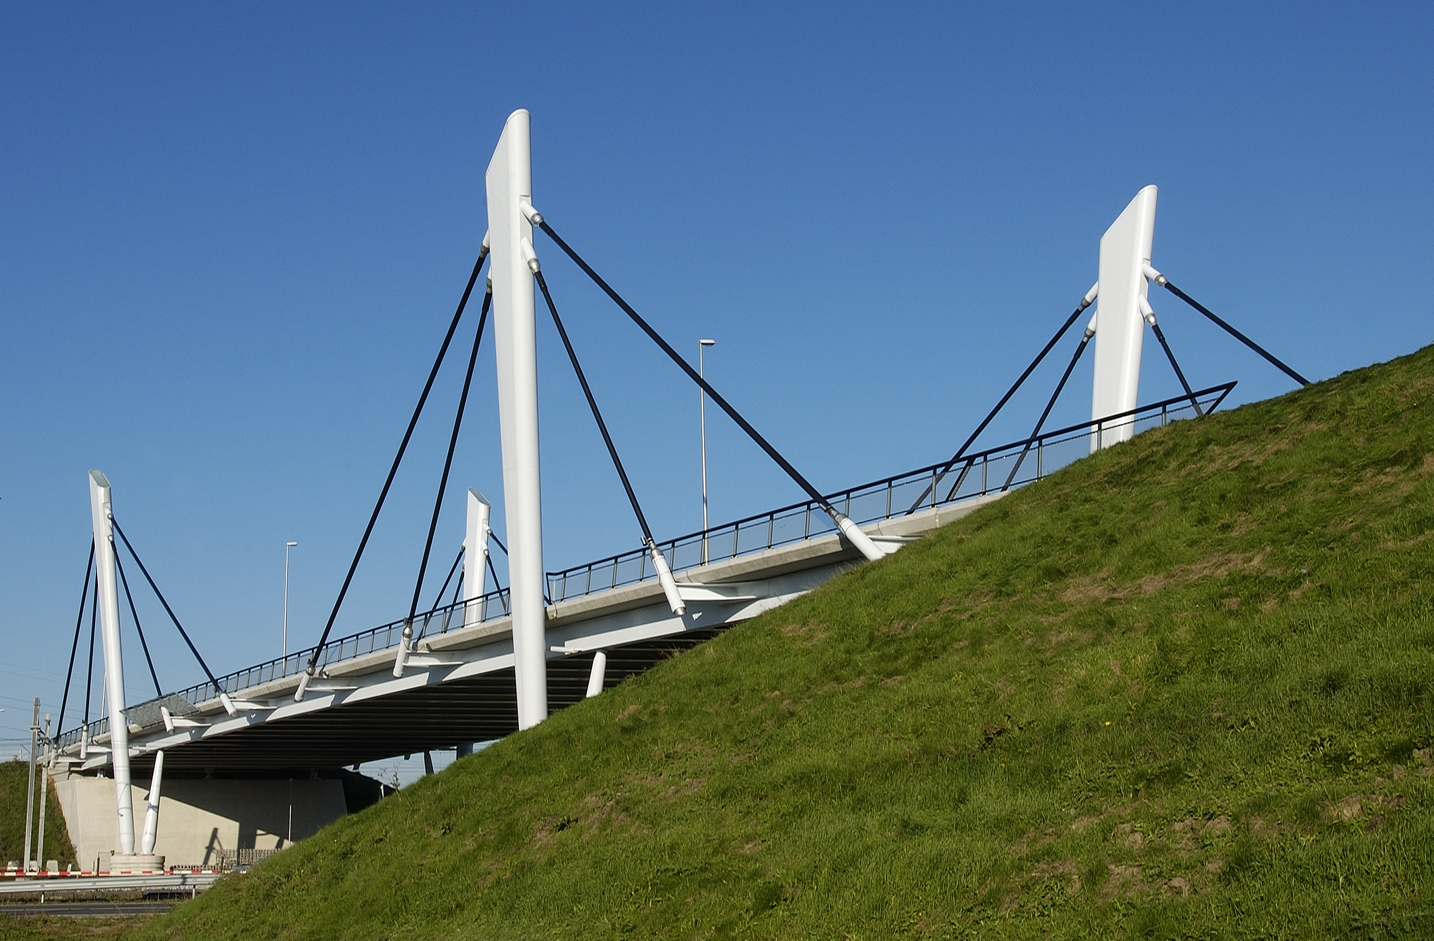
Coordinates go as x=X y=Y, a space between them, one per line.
x=79 y=622
x=167 y=609
x=90 y=673
x=1179 y=373
x=1040 y=422
x=448 y=462
x=133 y=613
x=397 y=459
x=597 y=415
x=761 y=442
x=1165 y=283
x=991 y=416
x=457 y=561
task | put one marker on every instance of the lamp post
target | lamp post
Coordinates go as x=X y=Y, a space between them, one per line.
x=284 y=650
x=702 y=417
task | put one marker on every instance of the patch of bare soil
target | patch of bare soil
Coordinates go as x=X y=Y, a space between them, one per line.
x=1100 y=587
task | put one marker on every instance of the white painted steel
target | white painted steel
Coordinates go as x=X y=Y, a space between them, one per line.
x=599 y=672
x=475 y=557
x=151 y=806
x=664 y=578
x=102 y=517
x=860 y=540
x=1120 y=326
x=509 y=186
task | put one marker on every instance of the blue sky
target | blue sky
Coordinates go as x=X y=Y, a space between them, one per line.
x=232 y=236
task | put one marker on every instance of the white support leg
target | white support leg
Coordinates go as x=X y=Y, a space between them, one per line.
x=475 y=557
x=1120 y=328
x=151 y=806
x=510 y=185
x=598 y=674
x=107 y=593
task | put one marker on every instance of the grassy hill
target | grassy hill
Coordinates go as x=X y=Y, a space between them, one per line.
x=13 y=778
x=1182 y=689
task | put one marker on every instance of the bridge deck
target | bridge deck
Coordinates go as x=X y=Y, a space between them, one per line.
x=459 y=684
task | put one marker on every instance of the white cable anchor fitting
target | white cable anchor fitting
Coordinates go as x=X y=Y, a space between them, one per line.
x=525 y=247
x=1154 y=275
x=1090 y=296
x=664 y=577
x=532 y=215
x=405 y=648
x=304 y=681
x=856 y=537
x=1146 y=311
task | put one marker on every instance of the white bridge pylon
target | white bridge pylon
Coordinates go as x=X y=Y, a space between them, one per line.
x=1122 y=311
x=510 y=239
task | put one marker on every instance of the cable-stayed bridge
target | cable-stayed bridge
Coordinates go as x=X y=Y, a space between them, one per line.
x=494 y=658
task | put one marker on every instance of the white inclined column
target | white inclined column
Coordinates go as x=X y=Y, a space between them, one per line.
x=1120 y=329
x=510 y=184
x=475 y=558
x=108 y=599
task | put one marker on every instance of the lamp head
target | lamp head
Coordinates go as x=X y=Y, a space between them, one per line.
x=708 y=342
x=291 y=544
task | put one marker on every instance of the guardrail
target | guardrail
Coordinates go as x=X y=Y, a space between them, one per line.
x=1004 y=467
x=995 y=469
x=490 y=606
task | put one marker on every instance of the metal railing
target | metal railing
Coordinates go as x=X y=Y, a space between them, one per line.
x=490 y=606
x=994 y=470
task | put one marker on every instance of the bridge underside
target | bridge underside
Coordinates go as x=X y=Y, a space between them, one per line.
x=458 y=685
x=429 y=718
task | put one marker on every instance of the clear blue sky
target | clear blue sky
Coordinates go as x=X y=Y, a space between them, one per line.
x=231 y=237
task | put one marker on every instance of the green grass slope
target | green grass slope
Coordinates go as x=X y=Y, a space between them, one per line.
x=13 y=787
x=1182 y=689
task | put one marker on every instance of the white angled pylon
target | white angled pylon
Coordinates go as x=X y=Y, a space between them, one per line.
x=107 y=594
x=510 y=188
x=475 y=557
x=1120 y=326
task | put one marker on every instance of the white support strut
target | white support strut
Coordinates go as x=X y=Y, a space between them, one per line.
x=1120 y=324
x=510 y=186
x=475 y=557
x=107 y=594
x=151 y=806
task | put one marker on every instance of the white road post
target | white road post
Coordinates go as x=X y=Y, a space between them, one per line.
x=475 y=557
x=151 y=806
x=510 y=186
x=1120 y=328
x=105 y=587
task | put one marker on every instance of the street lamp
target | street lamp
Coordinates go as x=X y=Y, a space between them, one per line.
x=702 y=417
x=284 y=650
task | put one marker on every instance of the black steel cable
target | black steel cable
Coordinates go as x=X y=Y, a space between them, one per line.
x=961 y=451
x=1234 y=333
x=397 y=459
x=167 y=609
x=90 y=674
x=438 y=599
x=1179 y=373
x=597 y=415
x=686 y=367
x=1040 y=422
x=448 y=461
x=134 y=614
x=75 y=646
x=494 y=572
